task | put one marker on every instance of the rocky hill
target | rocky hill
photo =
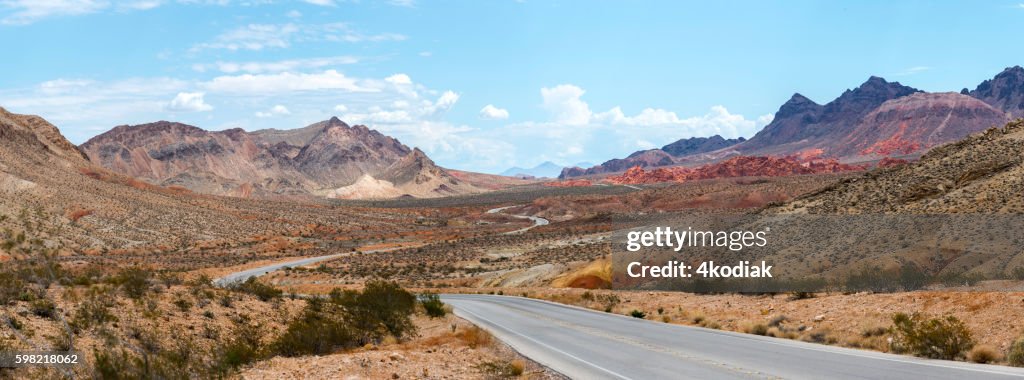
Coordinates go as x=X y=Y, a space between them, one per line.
x=328 y=158
x=916 y=123
x=741 y=166
x=1004 y=92
x=50 y=191
x=983 y=173
x=665 y=156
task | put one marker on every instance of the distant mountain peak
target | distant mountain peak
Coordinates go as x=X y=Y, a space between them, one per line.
x=1004 y=92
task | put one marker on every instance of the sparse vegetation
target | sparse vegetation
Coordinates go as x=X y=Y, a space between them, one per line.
x=1015 y=355
x=983 y=354
x=254 y=287
x=502 y=369
x=937 y=338
x=433 y=306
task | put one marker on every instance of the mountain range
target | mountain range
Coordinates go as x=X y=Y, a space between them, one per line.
x=329 y=158
x=546 y=169
x=877 y=119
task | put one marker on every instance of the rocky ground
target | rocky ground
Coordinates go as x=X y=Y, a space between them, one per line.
x=447 y=348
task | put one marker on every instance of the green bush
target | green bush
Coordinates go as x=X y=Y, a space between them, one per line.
x=1015 y=356
x=937 y=338
x=320 y=329
x=262 y=291
x=432 y=305
x=638 y=314
x=381 y=304
x=134 y=282
x=95 y=309
x=241 y=349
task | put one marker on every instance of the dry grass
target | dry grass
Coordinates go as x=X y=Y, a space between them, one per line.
x=984 y=354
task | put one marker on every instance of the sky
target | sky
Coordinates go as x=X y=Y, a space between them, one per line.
x=484 y=85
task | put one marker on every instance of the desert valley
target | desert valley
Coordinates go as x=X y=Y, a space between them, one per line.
x=111 y=248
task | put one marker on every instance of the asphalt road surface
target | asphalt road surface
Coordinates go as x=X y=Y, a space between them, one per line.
x=256 y=272
x=537 y=221
x=584 y=344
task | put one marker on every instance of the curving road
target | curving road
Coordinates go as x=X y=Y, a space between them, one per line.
x=537 y=221
x=241 y=276
x=585 y=344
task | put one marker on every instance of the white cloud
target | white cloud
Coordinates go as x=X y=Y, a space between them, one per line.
x=426 y=54
x=293 y=14
x=490 y=112
x=913 y=70
x=323 y=3
x=403 y=3
x=253 y=37
x=341 y=108
x=254 y=84
x=256 y=67
x=447 y=100
x=563 y=101
x=29 y=11
x=277 y=110
x=257 y=37
x=399 y=79
x=189 y=102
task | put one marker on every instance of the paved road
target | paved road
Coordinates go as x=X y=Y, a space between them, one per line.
x=256 y=272
x=537 y=221
x=584 y=344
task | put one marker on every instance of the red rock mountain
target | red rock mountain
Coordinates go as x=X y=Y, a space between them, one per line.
x=878 y=119
x=665 y=156
x=324 y=159
x=801 y=124
x=741 y=166
x=916 y=123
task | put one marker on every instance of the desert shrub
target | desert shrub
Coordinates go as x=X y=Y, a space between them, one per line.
x=381 y=304
x=95 y=309
x=262 y=291
x=43 y=308
x=937 y=338
x=111 y=365
x=243 y=347
x=795 y=296
x=911 y=277
x=11 y=287
x=502 y=369
x=983 y=354
x=183 y=361
x=474 y=337
x=1015 y=356
x=432 y=305
x=182 y=303
x=134 y=282
x=638 y=314
x=319 y=330
x=755 y=328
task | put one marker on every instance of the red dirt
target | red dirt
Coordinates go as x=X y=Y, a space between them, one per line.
x=741 y=166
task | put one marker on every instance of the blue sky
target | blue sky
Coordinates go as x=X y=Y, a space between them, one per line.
x=484 y=85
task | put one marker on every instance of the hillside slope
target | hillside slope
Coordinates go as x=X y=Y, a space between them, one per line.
x=317 y=160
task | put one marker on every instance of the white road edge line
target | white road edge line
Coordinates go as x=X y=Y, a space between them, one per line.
x=613 y=373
